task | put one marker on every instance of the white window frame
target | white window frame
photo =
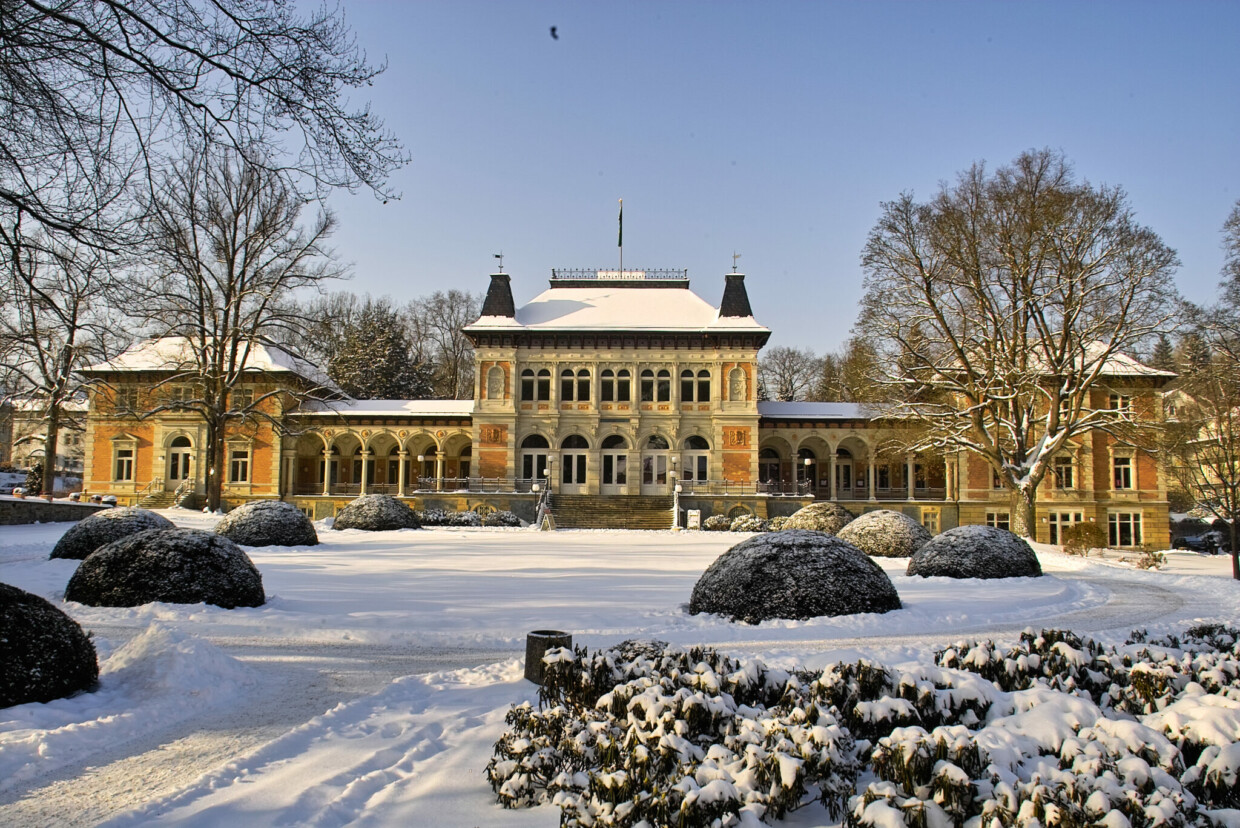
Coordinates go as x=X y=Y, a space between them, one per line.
x=1063 y=473
x=1116 y=522
x=1126 y=462
x=235 y=448
x=131 y=449
x=999 y=520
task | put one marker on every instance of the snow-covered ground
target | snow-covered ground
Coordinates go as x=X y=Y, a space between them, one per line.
x=370 y=688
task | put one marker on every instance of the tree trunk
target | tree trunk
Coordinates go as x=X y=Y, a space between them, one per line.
x=1023 y=521
x=1235 y=553
x=215 y=466
x=50 y=441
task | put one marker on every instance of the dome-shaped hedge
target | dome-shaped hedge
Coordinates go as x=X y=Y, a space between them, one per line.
x=975 y=552
x=717 y=523
x=268 y=523
x=793 y=574
x=103 y=527
x=44 y=654
x=822 y=516
x=747 y=523
x=176 y=566
x=376 y=513
x=885 y=534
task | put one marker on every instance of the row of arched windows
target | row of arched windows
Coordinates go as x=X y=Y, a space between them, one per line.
x=616 y=385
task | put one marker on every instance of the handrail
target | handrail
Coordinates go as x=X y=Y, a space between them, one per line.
x=155 y=483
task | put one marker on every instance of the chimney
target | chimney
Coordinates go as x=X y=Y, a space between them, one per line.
x=735 y=299
x=499 y=297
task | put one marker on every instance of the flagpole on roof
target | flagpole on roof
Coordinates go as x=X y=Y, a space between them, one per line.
x=620 y=239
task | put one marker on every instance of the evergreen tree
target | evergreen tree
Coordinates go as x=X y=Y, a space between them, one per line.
x=34 y=480
x=1163 y=356
x=372 y=358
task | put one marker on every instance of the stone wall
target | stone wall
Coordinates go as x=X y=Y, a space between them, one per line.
x=36 y=510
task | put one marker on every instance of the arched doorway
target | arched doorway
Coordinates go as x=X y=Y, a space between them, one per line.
x=807 y=469
x=534 y=453
x=695 y=462
x=614 y=477
x=573 y=453
x=768 y=466
x=843 y=473
x=180 y=452
x=654 y=466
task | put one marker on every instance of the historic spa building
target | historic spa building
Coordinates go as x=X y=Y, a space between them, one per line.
x=610 y=390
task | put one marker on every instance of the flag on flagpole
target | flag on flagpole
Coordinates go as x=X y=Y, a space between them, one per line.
x=620 y=238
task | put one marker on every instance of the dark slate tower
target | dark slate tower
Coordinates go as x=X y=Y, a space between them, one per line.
x=735 y=299
x=499 y=297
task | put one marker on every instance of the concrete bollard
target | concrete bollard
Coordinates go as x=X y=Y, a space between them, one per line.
x=536 y=645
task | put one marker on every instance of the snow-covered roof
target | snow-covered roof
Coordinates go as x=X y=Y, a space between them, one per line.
x=176 y=353
x=36 y=405
x=1122 y=365
x=613 y=307
x=390 y=408
x=813 y=411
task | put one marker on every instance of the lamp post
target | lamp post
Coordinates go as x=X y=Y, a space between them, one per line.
x=550 y=475
x=675 y=502
x=809 y=461
x=421 y=468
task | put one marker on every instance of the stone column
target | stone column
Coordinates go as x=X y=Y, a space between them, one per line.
x=873 y=476
x=366 y=455
x=830 y=475
x=403 y=459
x=439 y=464
x=910 y=484
x=327 y=472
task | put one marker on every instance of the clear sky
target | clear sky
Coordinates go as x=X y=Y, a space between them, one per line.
x=773 y=130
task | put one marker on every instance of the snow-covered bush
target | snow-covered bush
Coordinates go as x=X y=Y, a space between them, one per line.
x=975 y=552
x=717 y=523
x=643 y=732
x=777 y=523
x=822 y=516
x=792 y=574
x=885 y=534
x=464 y=518
x=747 y=523
x=176 y=566
x=104 y=527
x=268 y=523
x=376 y=513
x=433 y=517
x=44 y=654
x=34 y=480
x=501 y=518
x=1080 y=538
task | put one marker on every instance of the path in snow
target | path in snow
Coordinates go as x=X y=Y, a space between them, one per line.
x=299 y=681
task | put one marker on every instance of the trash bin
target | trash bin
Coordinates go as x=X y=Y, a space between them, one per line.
x=536 y=645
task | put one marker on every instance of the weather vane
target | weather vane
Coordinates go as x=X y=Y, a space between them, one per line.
x=735 y=256
x=500 y=256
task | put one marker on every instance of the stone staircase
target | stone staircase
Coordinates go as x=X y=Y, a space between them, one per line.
x=611 y=512
x=159 y=500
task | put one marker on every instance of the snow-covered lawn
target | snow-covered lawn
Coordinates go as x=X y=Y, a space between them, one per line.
x=207 y=716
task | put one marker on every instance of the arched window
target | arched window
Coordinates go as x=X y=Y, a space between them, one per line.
x=615 y=441
x=686 y=386
x=583 y=385
x=623 y=383
x=768 y=465
x=703 y=384
x=180 y=442
x=544 y=384
x=664 y=383
x=647 y=385
x=656 y=443
x=607 y=385
x=534 y=451
x=566 y=385
x=696 y=443
x=535 y=441
x=807 y=466
x=694 y=386
x=696 y=460
x=574 y=441
x=575 y=386
x=527 y=384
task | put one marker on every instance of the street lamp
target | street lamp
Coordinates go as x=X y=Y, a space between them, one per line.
x=421 y=468
x=808 y=461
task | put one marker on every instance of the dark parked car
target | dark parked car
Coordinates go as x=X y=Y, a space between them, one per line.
x=1209 y=543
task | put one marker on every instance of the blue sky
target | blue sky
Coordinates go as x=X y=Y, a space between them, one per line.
x=770 y=129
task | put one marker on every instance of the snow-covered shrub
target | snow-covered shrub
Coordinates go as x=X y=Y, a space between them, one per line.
x=1150 y=559
x=792 y=574
x=44 y=654
x=464 y=518
x=885 y=534
x=975 y=552
x=268 y=523
x=717 y=523
x=104 y=527
x=176 y=566
x=376 y=513
x=1080 y=538
x=498 y=518
x=747 y=523
x=433 y=517
x=34 y=480
x=777 y=523
x=822 y=516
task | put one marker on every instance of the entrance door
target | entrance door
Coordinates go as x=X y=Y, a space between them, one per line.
x=1059 y=521
x=573 y=453
x=654 y=466
x=843 y=478
x=535 y=450
x=179 y=453
x=614 y=472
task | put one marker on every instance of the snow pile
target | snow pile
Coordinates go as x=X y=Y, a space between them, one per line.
x=792 y=574
x=175 y=566
x=885 y=534
x=268 y=523
x=376 y=513
x=44 y=654
x=822 y=516
x=677 y=737
x=747 y=523
x=717 y=523
x=104 y=527
x=975 y=552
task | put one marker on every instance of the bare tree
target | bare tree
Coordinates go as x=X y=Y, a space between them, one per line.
x=846 y=376
x=227 y=254
x=54 y=319
x=789 y=374
x=437 y=321
x=98 y=94
x=1007 y=299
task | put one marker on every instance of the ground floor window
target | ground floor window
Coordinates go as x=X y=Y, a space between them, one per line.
x=930 y=519
x=124 y=464
x=239 y=466
x=999 y=520
x=1124 y=528
x=1060 y=521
